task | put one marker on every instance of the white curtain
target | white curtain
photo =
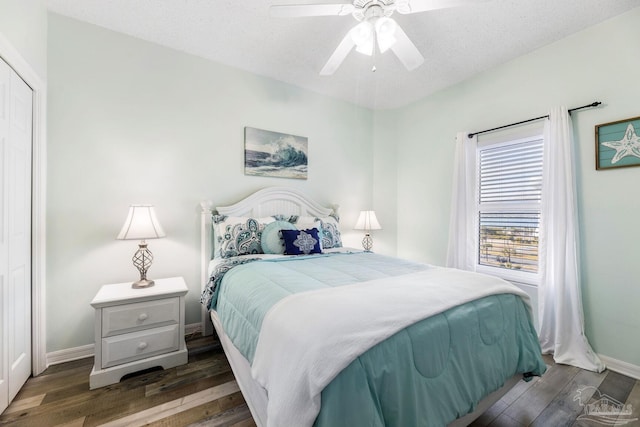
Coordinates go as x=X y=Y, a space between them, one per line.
x=461 y=252
x=559 y=296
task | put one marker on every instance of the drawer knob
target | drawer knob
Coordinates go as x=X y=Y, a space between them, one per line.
x=142 y=345
x=142 y=317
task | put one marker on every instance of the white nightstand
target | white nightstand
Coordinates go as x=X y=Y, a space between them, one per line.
x=138 y=329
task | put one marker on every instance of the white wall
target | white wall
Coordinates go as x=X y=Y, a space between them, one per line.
x=385 y=182
x=24 y=24
x=600 y=63
x=133 y=122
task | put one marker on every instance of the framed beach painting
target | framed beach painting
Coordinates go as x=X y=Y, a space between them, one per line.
x=276 y=154
x=618 y=144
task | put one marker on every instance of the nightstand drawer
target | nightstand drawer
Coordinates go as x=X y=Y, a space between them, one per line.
x=139 y=345
x=138 y=316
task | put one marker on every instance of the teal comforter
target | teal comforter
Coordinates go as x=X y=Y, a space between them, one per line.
x=428 y=374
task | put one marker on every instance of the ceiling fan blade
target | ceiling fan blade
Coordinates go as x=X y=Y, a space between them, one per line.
x=415 y=6
x=406 y=51
x=297 y=10
x=338 y=55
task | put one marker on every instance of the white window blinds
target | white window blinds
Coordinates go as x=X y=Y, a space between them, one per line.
x=511 y=173
x=509 y=195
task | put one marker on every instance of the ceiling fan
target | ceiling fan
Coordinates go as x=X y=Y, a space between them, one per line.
x=375 y=28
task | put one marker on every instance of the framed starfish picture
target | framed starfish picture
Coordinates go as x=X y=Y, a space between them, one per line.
x=618 y=144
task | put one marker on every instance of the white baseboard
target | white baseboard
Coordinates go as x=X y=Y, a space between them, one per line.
x=621 y=367
x=76 y=353
x=69 y=354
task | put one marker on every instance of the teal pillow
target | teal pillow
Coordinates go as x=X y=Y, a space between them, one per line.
x=271 y=239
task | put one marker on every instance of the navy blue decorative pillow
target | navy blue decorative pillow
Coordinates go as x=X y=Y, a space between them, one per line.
x=328 y=226
x=301 y=242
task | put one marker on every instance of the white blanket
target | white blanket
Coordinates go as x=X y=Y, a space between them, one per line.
x=306 y=339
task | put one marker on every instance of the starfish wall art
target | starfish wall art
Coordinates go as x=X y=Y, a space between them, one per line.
x=618 y=144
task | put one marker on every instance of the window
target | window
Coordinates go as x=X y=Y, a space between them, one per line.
x=509 y=196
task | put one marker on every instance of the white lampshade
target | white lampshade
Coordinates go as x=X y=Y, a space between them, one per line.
x=367 y=221
x=141 y=224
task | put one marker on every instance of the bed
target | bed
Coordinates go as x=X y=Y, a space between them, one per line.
x=325 y=335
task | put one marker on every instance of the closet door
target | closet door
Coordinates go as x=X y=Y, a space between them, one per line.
x=15 y=232
x=5 y=76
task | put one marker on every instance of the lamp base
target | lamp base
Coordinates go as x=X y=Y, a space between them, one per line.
x=142 y=260
x=367 y=242
x=142 y=283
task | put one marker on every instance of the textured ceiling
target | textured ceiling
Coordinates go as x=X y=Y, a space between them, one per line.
x=456 y=43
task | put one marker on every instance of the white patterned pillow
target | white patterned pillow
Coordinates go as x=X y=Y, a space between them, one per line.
x=236 y=236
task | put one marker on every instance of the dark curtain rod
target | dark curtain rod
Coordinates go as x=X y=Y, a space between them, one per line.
x=593 y=104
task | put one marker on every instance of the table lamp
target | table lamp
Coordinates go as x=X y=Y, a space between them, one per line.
x=141 y=224
x=367 y=221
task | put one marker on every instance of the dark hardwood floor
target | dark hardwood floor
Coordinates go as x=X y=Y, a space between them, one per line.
x=204 y=390
x=561 y=398
x=204 y=393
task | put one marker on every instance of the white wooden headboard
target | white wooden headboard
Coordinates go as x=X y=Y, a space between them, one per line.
x=266 y=202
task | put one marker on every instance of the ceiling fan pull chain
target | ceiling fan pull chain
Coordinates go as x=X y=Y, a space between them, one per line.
x=375 y=53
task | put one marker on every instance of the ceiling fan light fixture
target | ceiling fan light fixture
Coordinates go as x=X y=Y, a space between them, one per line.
x=362 y=36
x=385 y=27
x=385 y=32
x=384 y=43
x=362 y=33
x=366 y=48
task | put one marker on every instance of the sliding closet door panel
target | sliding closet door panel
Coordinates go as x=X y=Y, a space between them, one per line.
x=5 y=72
x=19 y=233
